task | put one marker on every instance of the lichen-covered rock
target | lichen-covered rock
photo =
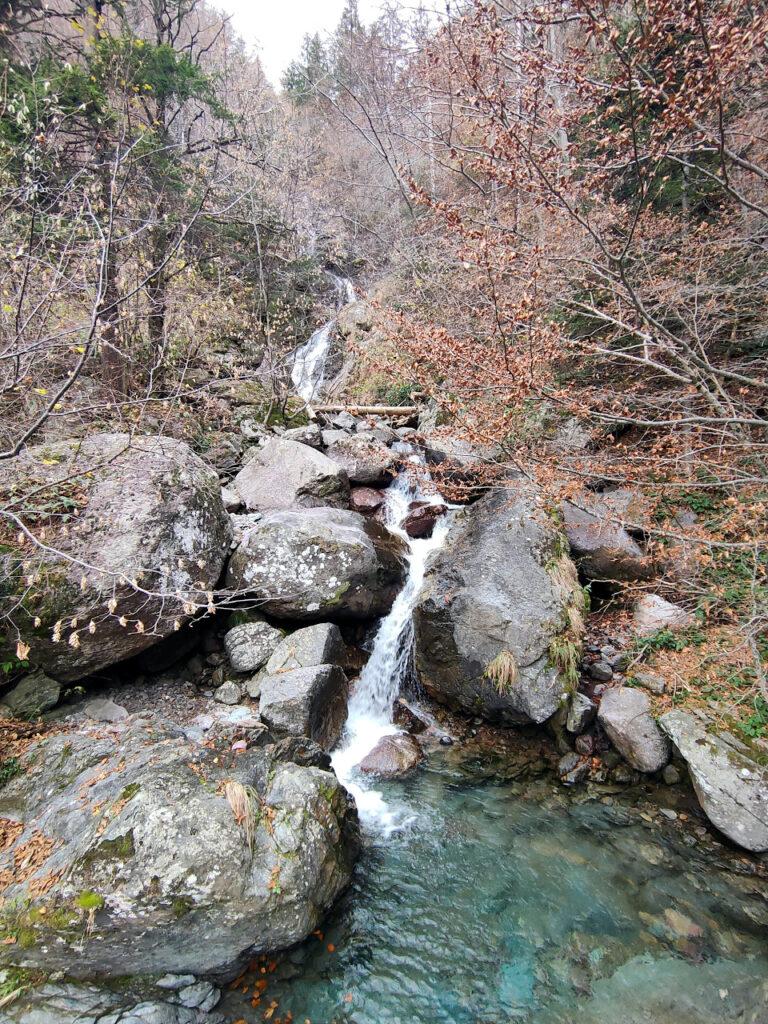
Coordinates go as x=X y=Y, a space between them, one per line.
x=250 y=645
x=625 y=714
x=146 y=533
x=123 y=852
x=321 y=644
x=499 y=612
x=731 y=785
x=29 y=698
x=601 y=547
x=653 y=612
x=392 y=756
x=284 y=474
x=306 y=702
x=319 y=563
x=365 y=461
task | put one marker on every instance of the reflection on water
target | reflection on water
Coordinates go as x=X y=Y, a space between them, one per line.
x=496 y=906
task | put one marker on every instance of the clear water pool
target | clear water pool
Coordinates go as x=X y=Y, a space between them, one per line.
x=508 y=902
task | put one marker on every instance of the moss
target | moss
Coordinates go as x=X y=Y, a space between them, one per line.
x=14 y=981
x=130 y=791
x=26 y=938
x=181 y=906
x=120 y=848
x=89 y=900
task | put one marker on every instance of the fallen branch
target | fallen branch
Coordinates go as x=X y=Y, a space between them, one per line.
x=369 y=410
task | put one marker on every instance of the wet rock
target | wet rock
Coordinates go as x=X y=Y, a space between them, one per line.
x=149 y=510
x=407 y=718
x=625 y=714
x=139 y=830
x=497 y=601
x=310 y=435
x=300 y=750
x=306 y=702
x=600 y=671
x=572 y=769
x=319 y=563
x=392 y=756
x=104 y=710
x=321 y=644
x=364 y=461
x=250 y=645
x=228 y=693
x=585 y=744
x=581 y=713
x=731 y=786
x=285 y=474
x=30 y=698
x=671 y=775
x=603 y=551
x=366 y=500
x=421 y=518
x=653 y=612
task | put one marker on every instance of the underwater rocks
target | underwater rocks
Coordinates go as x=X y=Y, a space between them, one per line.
x=500 y=613
x=319 y=563
x=139 y=852
x=147 y=532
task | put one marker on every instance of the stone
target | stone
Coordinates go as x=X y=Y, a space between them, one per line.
x=392 y=756
x=228 y=693
x=200 y=995
x=321 y=644
x=581 y=713
x=652 y=613
x=603 y=550
x=344 y=421
x=731 y=786
x=585 y=744
x=145 y=509
x=253 y=687
x=421 y=518
x=670 y=775
x=649 y=681
x=286 y=475
x=332 y=436
x=101 y=709
x=459 y=461
x=319 y=563
x=35 y=694
x=499 y=601
x=310 y=435
x=306 y=702
x=364 y=461
x=231 y=499
x=250 y=645
x=366 y=500
x=600 y=671
x=174 y=881
x=625 y=714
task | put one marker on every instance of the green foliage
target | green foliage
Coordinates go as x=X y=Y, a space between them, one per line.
x=396 y=394
x=10 y=767
x=312 y=71
x=755 y=726
x=670 y=640
x=89 y=900
x=565 y=655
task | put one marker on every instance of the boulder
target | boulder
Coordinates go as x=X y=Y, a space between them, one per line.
x=231 y=499
x=499 y=612
x=318 y=564
x=153 y=856
x=421 y=518
x=284 y=474
x=458 y=461
x=732 y=787
x=603 y=550
x=625 y=714
x=250 y=645
x=653 y=613
x=306 y=702
x=146 y=537
x=365 y=461
x=392 y=756
x=581 y=713
x=332 y=435
x=321 y=644
x=30 y=698
x=229 y=692
x=102 y=709
x=310 y=435
x=366 y=500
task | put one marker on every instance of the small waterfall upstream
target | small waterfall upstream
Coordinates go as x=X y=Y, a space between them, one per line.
x=370 y=710
x=308 y=370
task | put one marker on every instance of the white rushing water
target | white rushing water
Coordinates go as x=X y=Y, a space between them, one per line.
x=370 y=710
x=308 y=370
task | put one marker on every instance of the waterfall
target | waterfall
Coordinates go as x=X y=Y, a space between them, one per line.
x=369 y=717
x=308 y=370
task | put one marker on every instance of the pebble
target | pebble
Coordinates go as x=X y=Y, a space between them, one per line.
x=671 y=775
x=668 y=813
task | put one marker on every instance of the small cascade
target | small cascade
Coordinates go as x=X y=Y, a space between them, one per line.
x=308 y=369
x=369 y=716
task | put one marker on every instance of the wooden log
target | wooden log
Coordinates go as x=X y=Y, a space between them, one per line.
x=369 y=410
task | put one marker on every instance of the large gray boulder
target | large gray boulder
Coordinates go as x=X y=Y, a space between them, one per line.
x=602 y=548
x=306 y=702
x=142 y=534
x=285 y=474
x=365 y=460
x=499 y=614
x=625 y=714
x=319 y=563
x=321 y=644
x=250 y=645
x=731 y=786
x=653 y=612
x=140 y=852
x=29 y=698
